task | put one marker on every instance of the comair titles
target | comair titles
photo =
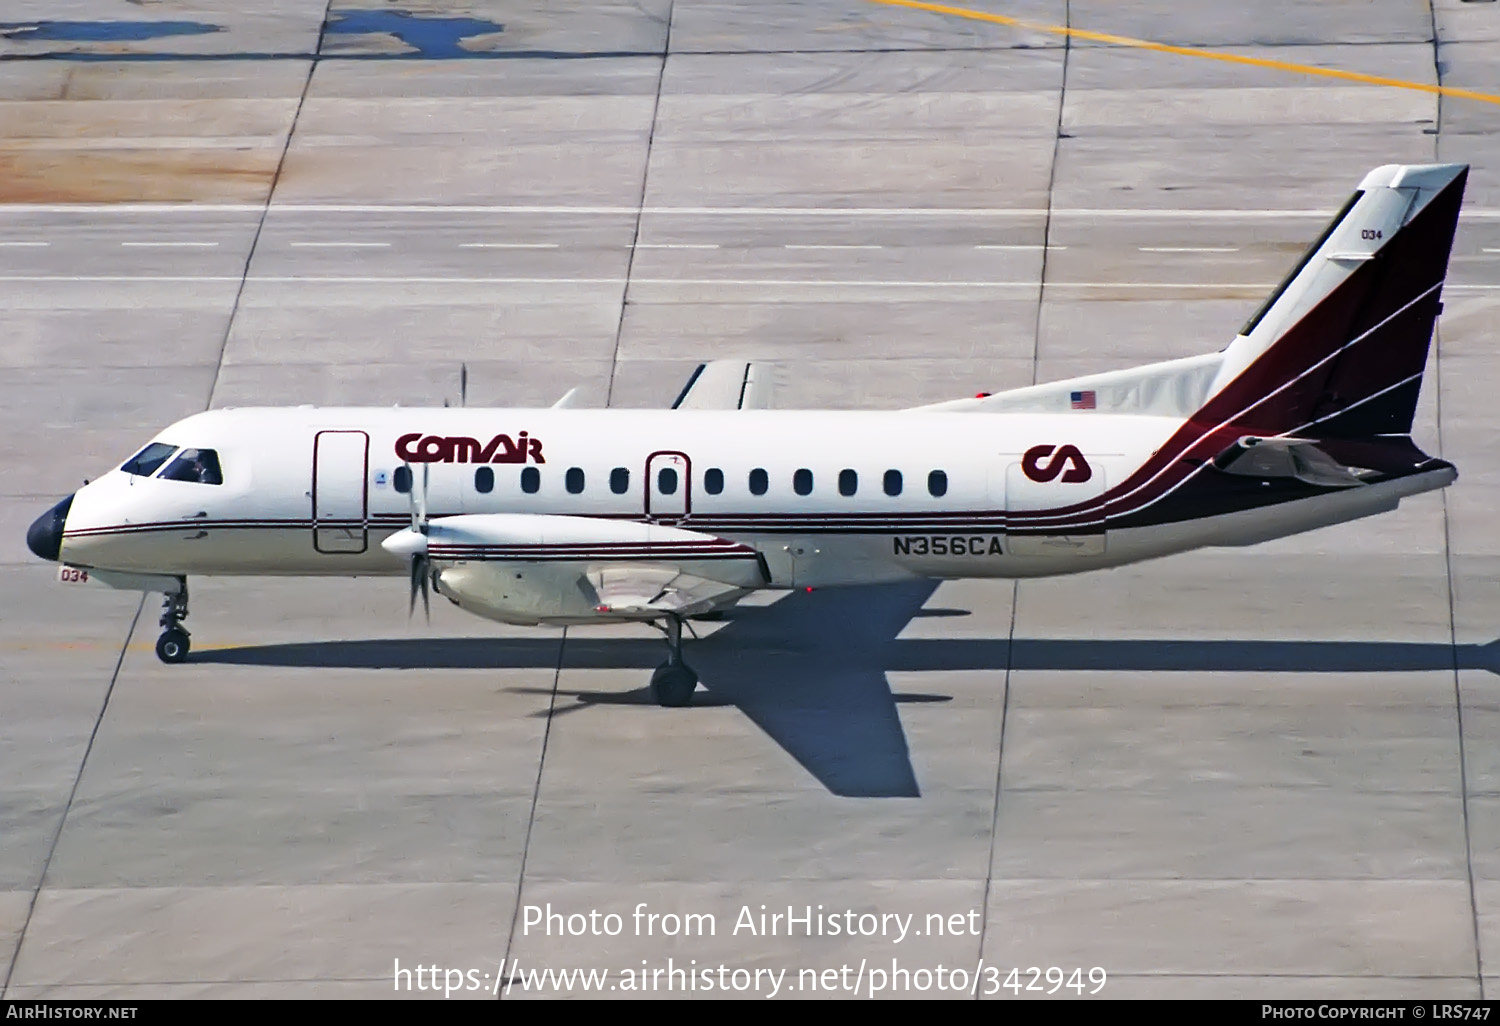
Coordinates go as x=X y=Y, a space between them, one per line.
x=419 y=448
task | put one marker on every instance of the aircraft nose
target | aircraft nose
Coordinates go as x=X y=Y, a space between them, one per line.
x=44 y=536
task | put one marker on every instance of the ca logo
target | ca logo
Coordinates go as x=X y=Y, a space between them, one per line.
x=1067 y=456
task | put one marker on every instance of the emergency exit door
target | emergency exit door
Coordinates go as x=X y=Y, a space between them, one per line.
x=340 y=499
x=669 y=487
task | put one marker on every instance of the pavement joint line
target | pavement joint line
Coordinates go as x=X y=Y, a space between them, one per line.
x=265 y=210
x=536 y=792
x=1458 y=692
x=62 y=820
x=639 y=212
x=1068 y=32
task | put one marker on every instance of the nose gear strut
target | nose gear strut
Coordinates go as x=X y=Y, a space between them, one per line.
x=173 y=645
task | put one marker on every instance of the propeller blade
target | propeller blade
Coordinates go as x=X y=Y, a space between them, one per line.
x=426 y=599
x=411 y=495
x=421 y=525
x=416 y=574
x=463 y=384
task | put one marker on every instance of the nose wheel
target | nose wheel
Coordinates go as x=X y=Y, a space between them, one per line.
x=173 y=645
x=673 y=683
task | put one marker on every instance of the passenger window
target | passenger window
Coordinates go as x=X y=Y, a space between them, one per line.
x=619 y=480
x=759 y=482
x=531 y=480
x=146 y=462
x=937 y=483
x=401 y=479
x=200 y=466
x=893 y=482
x=713 y=481
x=484 y=480
x=848 y=482
x=802 y=482
x=573 y=480
x=666 y=481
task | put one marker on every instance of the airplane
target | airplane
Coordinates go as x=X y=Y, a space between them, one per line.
x=568 y=516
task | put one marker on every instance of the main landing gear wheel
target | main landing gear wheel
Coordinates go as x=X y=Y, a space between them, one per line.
x=173 y=645
x=673 y=683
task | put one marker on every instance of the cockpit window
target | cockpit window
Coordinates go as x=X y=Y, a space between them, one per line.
x=145 y=462
x=198 y=465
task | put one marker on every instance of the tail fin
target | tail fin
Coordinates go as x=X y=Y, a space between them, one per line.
x=1338 y=350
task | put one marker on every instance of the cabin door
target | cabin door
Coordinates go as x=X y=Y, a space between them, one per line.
x=340 y=501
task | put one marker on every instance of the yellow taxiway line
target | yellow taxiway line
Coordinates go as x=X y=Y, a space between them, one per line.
x=1192 y=51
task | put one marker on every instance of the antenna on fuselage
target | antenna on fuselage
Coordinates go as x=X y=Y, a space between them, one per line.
x=463 y=384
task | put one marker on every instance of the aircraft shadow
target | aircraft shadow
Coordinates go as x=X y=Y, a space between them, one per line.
x=810 y=670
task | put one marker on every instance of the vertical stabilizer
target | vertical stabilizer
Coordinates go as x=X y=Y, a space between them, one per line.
x=1339 y=348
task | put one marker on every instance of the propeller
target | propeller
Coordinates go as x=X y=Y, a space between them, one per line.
x=420 y=564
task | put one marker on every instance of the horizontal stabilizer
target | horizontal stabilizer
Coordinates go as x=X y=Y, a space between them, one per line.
x=1294 y=458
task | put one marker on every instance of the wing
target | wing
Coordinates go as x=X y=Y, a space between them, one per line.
x=540 y=568
x=726 y=385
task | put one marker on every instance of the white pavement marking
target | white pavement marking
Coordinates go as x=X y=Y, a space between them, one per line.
x=1189 y=249
x=1488 y=249
x=17 y=245
x=676 y=245
x=1474 y=213
x=341 y=245
x=777 y=282
x=170 y=245
x=507 y=245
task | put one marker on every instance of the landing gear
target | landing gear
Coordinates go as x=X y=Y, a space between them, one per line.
x=173 y=645
x=674 y=681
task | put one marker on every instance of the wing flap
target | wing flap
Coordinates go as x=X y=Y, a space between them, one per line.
x=644 y=591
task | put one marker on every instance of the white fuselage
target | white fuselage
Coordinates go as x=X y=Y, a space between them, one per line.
x=313 y=491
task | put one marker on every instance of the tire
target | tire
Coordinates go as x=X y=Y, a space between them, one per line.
x=172 y=646
x=673 y=684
